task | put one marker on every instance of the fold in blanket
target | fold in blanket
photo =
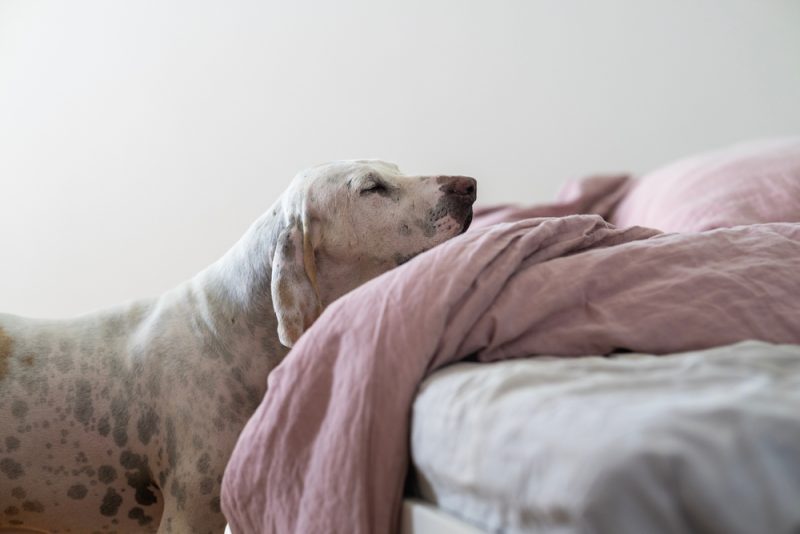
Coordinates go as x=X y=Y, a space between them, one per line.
x=594 y=195
x=327 y=449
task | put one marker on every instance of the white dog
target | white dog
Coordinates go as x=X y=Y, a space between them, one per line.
x=124 y=420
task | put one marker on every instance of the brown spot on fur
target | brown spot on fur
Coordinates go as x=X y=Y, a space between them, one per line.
x=83 y=401
x=139 y=515
x=6 y=344
x=147 y=424
x=77 y=492
x=106 y=474
x=178 y=491
x=11 y=469
x=18 y=493
x=11 y=510
x=288 y=244
x=203 y=463
x=119 y=412
x=162 y=477
x=111 y=503
x=214 y=505
x=33 y=506
x=104 y=427
x=19 y=408
x=172 y=444
x=12 y=443
x=138 y=476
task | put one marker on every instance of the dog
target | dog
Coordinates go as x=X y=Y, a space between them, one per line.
x=124 y=420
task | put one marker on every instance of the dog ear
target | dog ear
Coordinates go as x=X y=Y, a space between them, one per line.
x=295 y=295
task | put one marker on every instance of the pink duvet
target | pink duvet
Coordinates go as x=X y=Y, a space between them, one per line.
x=326 y=452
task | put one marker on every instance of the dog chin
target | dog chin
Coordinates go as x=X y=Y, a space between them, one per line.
x=467 y=222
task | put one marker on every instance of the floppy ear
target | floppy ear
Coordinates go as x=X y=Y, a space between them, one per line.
x=295 y=295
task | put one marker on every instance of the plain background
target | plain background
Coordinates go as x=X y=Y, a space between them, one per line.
x=139 y=139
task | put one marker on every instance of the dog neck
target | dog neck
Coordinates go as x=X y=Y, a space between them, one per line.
x=231 y=303
x=239 y=283
x=338 y=276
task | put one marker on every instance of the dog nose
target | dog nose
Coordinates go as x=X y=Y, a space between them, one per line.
x=462 y=186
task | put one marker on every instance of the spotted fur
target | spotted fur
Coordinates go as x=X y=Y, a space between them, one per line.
x=123 y=420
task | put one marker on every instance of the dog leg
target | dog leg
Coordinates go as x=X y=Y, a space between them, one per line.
x=196 y=517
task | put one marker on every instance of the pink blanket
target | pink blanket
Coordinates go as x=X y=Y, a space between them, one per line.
x=327 y=449
x=750 y=183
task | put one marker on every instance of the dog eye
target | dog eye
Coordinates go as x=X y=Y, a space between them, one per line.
x=373 y=187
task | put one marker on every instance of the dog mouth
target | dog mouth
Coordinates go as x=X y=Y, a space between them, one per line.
x=467 y=222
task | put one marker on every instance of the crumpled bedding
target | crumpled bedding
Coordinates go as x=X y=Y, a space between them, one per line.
x=704 y=441
x=327 y=449
x=748 y=183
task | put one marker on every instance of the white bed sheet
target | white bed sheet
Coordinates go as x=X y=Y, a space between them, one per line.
x=704 y=441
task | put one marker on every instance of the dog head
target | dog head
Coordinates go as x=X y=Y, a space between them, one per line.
x=347 y=222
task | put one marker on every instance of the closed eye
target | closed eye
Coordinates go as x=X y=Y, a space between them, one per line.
x=374 y=187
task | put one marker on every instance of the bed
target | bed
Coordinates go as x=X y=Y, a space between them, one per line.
x=630 y=443
x=619 y=379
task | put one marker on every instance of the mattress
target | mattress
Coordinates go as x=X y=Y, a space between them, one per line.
x=704 y=441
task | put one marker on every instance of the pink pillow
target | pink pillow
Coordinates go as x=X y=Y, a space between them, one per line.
x=745 y=184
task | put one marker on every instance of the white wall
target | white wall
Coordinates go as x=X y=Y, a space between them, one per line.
x=139 y=139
